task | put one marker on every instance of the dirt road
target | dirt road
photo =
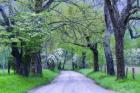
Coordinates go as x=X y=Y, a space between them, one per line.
x=71 y=82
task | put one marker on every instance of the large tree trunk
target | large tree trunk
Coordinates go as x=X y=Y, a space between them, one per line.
x=107 y=49
x=26 y=65
x=119 y=38
x=96 y=59
x=38 y=64
x=109 y=59
x=119 y=31
x=17 y=58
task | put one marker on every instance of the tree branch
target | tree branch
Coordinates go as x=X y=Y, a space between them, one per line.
x=77 y=44
x=132 y=35
x=129 y=10
x=47 y=4
x=134 y=18
x=113 y=11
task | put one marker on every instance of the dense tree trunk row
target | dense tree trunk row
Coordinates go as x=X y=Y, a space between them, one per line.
x=24 y=63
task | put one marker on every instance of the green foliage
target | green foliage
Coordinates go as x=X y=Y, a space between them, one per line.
x=30 y=30
x=4 y=36
x=73 y=23
x=81 y=22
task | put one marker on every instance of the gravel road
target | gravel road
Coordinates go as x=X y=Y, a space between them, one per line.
x=71 y=82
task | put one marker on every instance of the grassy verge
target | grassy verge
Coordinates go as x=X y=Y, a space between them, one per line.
x=18 y=84
x=122 y=86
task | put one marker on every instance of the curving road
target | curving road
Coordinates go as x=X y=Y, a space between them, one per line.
x=71 y=82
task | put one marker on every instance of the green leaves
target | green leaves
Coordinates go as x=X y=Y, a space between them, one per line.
x=4 y=36
x=30 y=28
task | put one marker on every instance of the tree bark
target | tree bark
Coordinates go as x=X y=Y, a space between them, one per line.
x=109 y=58
x=106 y=43
x=119 y=38
x=83 y=60
x=16 y=54
x=9 y=67
x=119 y=27
x=65 y=58
x=96 y=59
x=26 y=65
x=38 y=64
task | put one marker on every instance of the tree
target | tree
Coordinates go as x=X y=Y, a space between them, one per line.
x=40 y=5
x=106 y=41
x=83 y=59
x=79 y=27
x=120 y=21
x=30 y=31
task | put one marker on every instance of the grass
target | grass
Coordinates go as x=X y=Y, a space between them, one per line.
x=18 y=84
x=109 y=82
